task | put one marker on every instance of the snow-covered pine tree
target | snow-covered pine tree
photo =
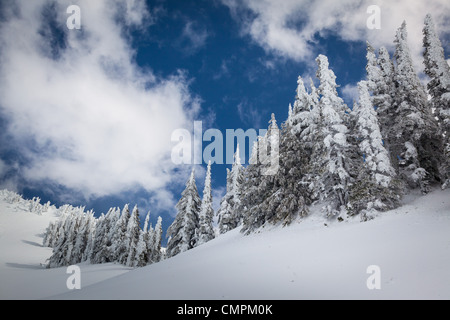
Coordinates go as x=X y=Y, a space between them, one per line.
x=132 y=238
x=143 y=251
x=331 y=159
x=375 y=186
x=156 y=242
x=413 y=138
x=380 y=78
x=182 y=230
x=119 y=246
x=103 y=243
x=87 y=254
x=438 y=70
x=82 y=236
x=230 y=212
x=206 y=215
x=287 y=201
x=252 y=216
x=108 y=242
x=62 y=254
x=150 y=243
x=49 y=235
x=99 y=251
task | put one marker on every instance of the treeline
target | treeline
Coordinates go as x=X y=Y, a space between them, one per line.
x=349 y=161
x=113 y=237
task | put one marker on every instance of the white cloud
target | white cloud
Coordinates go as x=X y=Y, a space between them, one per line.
x=196 y=37
x=288 y=28
x=350 y=93
x=88 y=118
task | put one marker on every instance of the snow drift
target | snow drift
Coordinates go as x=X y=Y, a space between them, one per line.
x=312 y=259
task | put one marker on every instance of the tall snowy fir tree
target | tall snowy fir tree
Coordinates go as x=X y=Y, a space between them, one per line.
x=132 y=238
x=142 y=249
x=230 y=212
x=333 y=162
x=184 y=228
x=156 y=254
x=119 y=246
x=438 y=70
x=206 y=215
x=413 y=137
x=252 y=216
x=380 y=77
x=287 y=201
x=376 y=186
x=268 y=156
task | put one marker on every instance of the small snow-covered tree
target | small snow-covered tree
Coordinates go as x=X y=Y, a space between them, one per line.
x=229 y=213
x=182 y=230
x=132 y=238
x=206 y=215
x=119 y=245
x=156 y=242
x=143 y=251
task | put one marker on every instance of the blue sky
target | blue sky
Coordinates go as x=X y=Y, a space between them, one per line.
x=86 y=115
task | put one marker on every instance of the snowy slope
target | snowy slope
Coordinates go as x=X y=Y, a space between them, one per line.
x=308 y=260
x=22 y=275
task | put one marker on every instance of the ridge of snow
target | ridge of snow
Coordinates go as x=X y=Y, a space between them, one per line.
x=311 y=259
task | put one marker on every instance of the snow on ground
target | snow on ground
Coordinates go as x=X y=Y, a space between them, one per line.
x=307 y=260
x=22 y=275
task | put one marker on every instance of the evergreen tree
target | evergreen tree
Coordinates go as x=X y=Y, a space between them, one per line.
x=332 y=150
x=182 y=230
x=156 y=242
x=230 y=214
x=413 y=136
x=119 y=245
x=82 y=236
x=438 y=70
x=287 y=201
x=376 y=186
x=206 y=215
x=143 y=250
x=132 y=238
x=252 y=215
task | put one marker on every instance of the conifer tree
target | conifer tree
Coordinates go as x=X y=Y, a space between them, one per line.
x=206 y=215
x=156 y=242
x=230 y=212
x=132 y=238
x=332 y=150
x=143 y=251
x=438 y=70
x=413 y=138
x=119 y=245
x=376 y=186
x=182 y=230
x=287 y=201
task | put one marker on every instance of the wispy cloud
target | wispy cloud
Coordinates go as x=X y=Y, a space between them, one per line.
x=88 y=119
x=249 y=114
x=193 y=37
x=289 y=28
